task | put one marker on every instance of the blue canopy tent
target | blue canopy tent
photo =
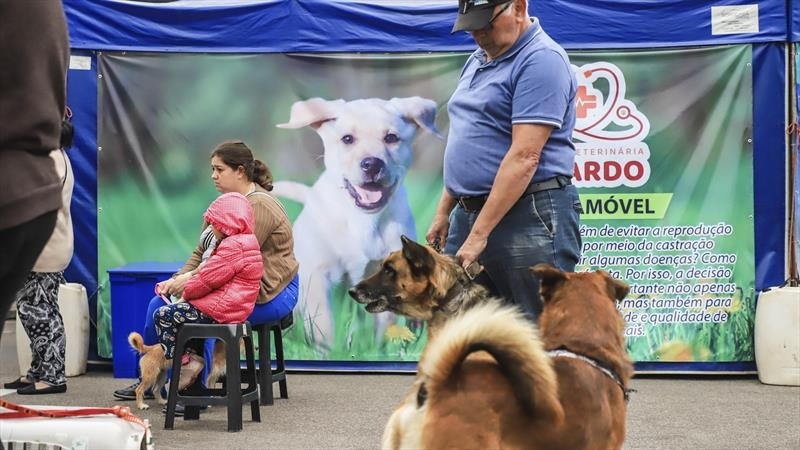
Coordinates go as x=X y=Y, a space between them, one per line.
x=794 y=27
x=330 y=26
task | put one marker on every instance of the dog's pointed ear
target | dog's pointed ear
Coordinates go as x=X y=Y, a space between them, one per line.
x=421 y=111
x=549 y=279
x=312 y=112
x=419 y=259
x=616 y=288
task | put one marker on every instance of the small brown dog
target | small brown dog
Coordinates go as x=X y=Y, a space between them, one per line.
x=218 y=363
x=485 y=380
x=153 y=367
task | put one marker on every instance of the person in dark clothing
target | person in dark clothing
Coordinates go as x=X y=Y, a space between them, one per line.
x=34 y=55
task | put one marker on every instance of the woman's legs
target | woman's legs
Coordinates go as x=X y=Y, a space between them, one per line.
x=278 y=307
x=38 y=311
x=169 y=318
x=150 y=337
x=149 y=333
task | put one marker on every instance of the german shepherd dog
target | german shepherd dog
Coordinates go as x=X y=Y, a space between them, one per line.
x=486 y=379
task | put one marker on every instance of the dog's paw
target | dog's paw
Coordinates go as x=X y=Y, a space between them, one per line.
x=162 y=400
x=143 y=406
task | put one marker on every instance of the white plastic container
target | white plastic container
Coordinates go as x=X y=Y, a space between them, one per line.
x=78 y=433
x=74 y=306
x=777 y=336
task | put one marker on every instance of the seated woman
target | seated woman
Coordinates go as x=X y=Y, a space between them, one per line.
x=233 y=169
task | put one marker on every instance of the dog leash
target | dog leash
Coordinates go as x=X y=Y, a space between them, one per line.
x=472 y=270
x=437 y=245
x=596 y=364
x=20 y=412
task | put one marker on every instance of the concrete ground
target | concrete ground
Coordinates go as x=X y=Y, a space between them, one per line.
x=348 y=411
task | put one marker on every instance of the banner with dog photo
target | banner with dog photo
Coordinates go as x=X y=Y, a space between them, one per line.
x=658 y=131
x=161 y=115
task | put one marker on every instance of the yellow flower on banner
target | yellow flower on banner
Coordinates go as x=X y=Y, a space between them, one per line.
x=397 y=333
x=683 y=351
x=737 y=302
x=675 y=351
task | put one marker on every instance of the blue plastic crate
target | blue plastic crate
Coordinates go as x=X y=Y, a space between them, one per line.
x=131 y=290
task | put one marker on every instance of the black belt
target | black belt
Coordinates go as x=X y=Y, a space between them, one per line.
x=476 y=203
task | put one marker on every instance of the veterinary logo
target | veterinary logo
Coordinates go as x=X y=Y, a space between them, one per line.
x=609 y=130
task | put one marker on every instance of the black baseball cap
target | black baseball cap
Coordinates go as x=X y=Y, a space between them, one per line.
x=474 y=14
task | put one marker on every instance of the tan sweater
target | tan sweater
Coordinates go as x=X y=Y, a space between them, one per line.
x=57 y=253
x=274 y=234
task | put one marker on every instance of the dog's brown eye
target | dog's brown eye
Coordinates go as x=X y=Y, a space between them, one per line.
x=391 y=138
x=348 y=139
x=389 y=271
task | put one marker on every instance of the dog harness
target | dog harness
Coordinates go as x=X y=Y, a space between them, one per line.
x=594 y=363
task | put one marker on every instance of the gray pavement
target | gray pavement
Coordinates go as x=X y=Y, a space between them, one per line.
x=348 y=411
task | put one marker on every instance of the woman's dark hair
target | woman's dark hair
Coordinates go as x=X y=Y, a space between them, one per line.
x=237 y=154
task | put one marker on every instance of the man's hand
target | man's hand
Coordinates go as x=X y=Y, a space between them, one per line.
x=438 y=231
x=471 y=250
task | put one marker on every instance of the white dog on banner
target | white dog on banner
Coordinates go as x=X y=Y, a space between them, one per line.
x=356 y=211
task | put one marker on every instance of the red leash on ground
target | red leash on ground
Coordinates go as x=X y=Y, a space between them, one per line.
x=22 y=412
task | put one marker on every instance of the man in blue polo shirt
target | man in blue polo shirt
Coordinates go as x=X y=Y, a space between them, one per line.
x=508 y=201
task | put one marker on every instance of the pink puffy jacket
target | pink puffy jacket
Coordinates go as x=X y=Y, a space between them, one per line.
x=227 y=284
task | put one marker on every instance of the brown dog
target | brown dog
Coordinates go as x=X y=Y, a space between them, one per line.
x=218 y=363
x=484 y=379
x=153 y=368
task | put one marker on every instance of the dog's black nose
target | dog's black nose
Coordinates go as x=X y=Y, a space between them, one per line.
x=353 y=291
x=372 y=166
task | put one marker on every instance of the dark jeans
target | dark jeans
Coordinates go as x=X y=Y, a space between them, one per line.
x=540 y=228
x=20 y=247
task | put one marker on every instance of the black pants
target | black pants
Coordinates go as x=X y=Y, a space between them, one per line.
x=20 y=246
x=37 y=308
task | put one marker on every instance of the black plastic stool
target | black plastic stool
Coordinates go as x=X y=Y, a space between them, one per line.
x=266 y=376
x=232 y=395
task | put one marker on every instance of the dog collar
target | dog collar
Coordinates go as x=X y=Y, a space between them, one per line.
x=448 y=303
x=596 y=364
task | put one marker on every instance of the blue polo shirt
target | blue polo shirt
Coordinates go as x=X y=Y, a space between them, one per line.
x=532 y=82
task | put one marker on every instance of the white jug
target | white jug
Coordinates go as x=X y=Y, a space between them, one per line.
x=777 y=336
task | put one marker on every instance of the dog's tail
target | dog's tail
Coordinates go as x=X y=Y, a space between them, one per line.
x=137 y=342
x=291 y=190
x=513 y=342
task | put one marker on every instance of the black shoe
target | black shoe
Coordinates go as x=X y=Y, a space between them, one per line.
x=129 y=393
x=180 y=409
x=16 y=384
x=30 y=389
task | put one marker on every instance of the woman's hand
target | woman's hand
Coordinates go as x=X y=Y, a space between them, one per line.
x=174 y=286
